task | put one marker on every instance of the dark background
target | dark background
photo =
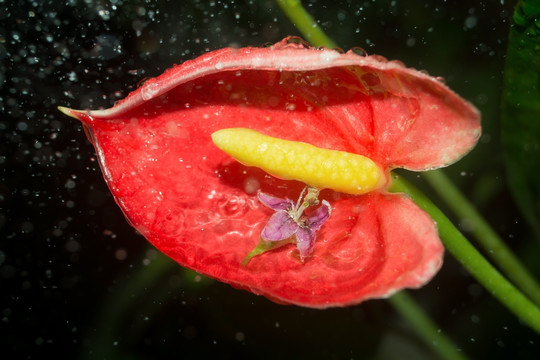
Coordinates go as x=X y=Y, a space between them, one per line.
x=76 y=279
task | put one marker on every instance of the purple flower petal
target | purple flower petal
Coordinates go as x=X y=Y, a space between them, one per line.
x=319 y=216
x=305 y=240
x=275 y=203
x=280 y=227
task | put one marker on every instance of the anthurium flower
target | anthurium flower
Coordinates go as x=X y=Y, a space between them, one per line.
x=207 y=209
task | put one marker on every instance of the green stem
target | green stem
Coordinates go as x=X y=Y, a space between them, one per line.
x=423 y=325
x=472 y=260
x=487 y=238
x=303 y=21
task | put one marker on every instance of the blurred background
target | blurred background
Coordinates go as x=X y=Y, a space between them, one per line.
x=75 y=278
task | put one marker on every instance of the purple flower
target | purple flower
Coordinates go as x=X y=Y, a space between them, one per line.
x=290 y=219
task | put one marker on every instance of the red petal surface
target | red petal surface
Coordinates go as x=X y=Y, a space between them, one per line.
x=200 y=207
x=395 y=115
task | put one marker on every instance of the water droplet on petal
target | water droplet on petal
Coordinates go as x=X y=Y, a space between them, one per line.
x=232 y=206
x=357 y=51
x=150 y=89
x=292 y=42
x=398 y=63
x=251 y=185
x=379 y=58
x=441 y=80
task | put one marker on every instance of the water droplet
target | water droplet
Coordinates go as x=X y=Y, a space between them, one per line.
x=290 y=106
x=292 y=42
x=120 y=254
x=379 y=58
x=232 y=206
x=441 y=79
x=357 y=51
x=251 y=185
x=150 y=89
x=398 y=63
x=471 y=22
x=170 y=221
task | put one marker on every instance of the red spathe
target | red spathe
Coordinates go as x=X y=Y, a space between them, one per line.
x=200 y=207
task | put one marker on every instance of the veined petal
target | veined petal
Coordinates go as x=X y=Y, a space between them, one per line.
x=275 y=203
x=305 y=240
x=319 y=216
x=280 y=227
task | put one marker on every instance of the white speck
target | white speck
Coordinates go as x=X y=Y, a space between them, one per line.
x=22 y=126
x=72 y=76
x=120 y=254
x=470 y=22
x=70 y=184
x=410 y=42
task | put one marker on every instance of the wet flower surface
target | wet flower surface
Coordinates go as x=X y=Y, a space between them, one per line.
x=200 y=206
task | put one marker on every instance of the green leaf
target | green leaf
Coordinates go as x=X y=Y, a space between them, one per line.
x=521 y=110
